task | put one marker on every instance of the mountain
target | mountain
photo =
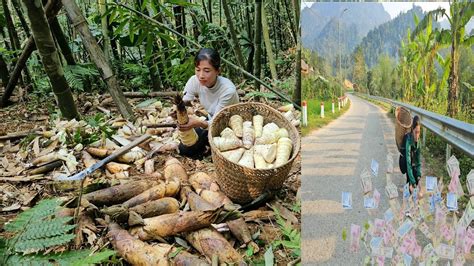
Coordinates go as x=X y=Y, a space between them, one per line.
x=322 y=17
x=386 y=38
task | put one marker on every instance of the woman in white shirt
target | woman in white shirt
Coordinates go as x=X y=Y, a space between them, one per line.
x=214 y=92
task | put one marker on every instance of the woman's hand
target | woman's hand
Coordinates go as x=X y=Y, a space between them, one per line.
x=192 y=123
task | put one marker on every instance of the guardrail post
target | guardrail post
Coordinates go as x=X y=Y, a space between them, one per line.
x=448 y=152
x=305 y=113
x=322 y=109
x=332 y=109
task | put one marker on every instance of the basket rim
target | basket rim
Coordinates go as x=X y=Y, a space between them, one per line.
x=397 y=113
x=278 y=114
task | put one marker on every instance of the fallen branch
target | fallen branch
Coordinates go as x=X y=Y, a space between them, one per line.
x=23 y=178
x=45 y=168
x=18 y=135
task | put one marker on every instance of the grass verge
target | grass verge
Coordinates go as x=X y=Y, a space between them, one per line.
x=314 y=112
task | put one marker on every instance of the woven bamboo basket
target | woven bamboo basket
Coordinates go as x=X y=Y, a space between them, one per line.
x=403 y=124
x=243 y=184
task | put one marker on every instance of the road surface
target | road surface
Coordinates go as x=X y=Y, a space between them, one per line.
x=332 y=159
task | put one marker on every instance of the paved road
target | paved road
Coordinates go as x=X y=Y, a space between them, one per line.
x=333 y=158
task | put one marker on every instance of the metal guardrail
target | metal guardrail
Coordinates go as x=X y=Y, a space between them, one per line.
x=457 y=133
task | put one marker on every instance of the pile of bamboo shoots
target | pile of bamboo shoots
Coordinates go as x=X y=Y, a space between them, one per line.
x=253 y=144
x=291 y=114
x=167 y=205
x=151 y=199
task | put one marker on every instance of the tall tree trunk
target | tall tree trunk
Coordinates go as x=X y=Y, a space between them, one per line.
x=205 y=9
x=17 y=7
x=105 y=29
x=15 y=42
x=258 y=41
x=50 y=58
x=178 y=14
x=163 y=64
x=268 y=45
x=51 y=9
x=98 y=57
x=4 y=37
x=62 y=42
x=209 y=5
x=297 y=92
x=290 y=20
x=4 y=75
x=453 y=79
x=249 y=20
x=233 y=34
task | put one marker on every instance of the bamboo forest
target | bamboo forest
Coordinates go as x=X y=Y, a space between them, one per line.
x=105 y=155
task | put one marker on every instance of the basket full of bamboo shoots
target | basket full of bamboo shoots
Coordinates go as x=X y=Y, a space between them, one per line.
x=253 y=148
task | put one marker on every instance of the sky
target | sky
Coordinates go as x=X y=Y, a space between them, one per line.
x=394 y=8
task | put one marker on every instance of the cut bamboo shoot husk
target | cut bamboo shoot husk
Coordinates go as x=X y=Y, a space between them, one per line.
x=258 y=125
x=296 y=122
x=240 y=230
x=87 y=159
x=286 y=108
x=156 y=207
x=247 y=159
x=202 y=181
x=269 y=127
x=225 y=144
x=118 y=194
x=233 y=155
x=97 y=152
x=236 y=124
x=248 y=136
x=284 y=149
x=289 y=115
x=228 y=133
x=174 y=223
x=149 y=166
x=216 y=198
x=188 y=137
x=268 y=151
x=131 y=156
x=197 y=203
x=283 y=133
x=114 y=167
x=137 y=252
x=259 y=161
x=209 y=242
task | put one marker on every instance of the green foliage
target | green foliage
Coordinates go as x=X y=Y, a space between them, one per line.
x=36 y=230
x=42 y=210
x=249 y=251
x=266 y=95
x=100 y=130
x=296 y=207
x=77 y=74
x=291 y=237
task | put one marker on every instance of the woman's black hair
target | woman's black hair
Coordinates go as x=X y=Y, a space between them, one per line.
x=416 y=122
x=210 y=55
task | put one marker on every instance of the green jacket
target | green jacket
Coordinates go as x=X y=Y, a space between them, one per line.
x=413 y=158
